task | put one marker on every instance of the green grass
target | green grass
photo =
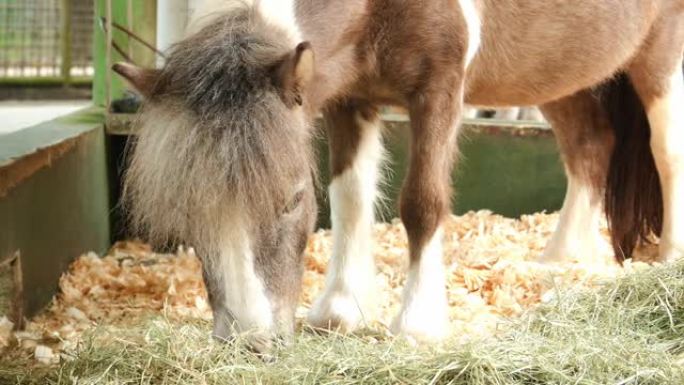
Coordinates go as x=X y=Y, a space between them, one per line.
x=631 y=331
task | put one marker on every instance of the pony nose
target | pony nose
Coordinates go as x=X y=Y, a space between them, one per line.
x=224 y=326
x=261 y=342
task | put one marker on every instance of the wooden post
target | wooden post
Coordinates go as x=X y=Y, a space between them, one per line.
x=17 y=302
x=18 y=274
x=130 y=25
x=109 y=37
x=144 y=23
x=66 y=40
x=171 y=19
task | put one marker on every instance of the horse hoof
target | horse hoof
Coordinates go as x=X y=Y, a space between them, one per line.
x=669 y=253
x=342 y=312
x=589 y=251
x=426 y=327
x=550 y=259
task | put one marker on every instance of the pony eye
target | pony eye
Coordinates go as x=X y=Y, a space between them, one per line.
x=294 y=202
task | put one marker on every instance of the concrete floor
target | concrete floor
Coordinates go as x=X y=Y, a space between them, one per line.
x=15 y=115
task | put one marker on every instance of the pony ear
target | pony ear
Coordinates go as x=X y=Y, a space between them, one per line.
x=294 y=73
x=142 y=79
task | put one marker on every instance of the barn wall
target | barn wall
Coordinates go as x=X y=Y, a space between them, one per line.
x=54 y=200
x=511 y=169
x=144 y=16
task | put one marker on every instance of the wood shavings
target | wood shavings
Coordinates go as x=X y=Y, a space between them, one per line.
x=490 y=262
x=45 y=355
x=6 y=327
x=492 y=268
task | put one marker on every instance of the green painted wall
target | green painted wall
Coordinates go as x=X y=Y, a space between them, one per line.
x=508 y=174
x=60 y=211
x=144 y=24
x=510 y=169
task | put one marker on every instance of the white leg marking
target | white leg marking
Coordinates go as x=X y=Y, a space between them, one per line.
x=666 y=116
x=507 y=113
x=348 y=299
x=245 y=295
x=531 y=114
x=577 y=236
x=474 y=25
x=424 y=313
x=469 y=112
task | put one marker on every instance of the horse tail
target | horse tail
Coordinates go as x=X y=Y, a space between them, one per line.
x=633 y=196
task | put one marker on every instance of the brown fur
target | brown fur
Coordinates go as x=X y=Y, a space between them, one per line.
x=416 y=68
x=239 y=76
x=344 y=133
x=552 y=64
x=534 y=52
x=585 y=136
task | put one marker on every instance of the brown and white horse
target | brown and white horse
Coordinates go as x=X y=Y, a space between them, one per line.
x=224 y=159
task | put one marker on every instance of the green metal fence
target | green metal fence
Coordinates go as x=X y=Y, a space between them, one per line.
x=43 y=40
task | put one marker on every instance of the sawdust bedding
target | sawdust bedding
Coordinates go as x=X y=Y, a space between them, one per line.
x=491 y=273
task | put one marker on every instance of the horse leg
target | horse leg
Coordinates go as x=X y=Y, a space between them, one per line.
x=424 y=202
x=531 y=114
x=354 y=132
x=656 y=73
x=507 y=113
x=470 y=112
x=585 y=140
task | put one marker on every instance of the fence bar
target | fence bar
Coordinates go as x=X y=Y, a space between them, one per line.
x=109 y=39
x=129 y=24
x=65 y=37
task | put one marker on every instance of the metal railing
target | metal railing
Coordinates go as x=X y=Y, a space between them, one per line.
x=46 y=40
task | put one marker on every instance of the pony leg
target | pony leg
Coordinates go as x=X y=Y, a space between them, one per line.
x=470 y=112
x=585 y=140
x=507 y=113
x=531 y=114
x=657 y=77
x=425 y=201
x=354 y=133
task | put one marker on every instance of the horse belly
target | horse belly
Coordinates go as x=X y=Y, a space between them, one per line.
x=534 y=52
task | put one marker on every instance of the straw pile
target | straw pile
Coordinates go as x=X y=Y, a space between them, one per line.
x=490 y=265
